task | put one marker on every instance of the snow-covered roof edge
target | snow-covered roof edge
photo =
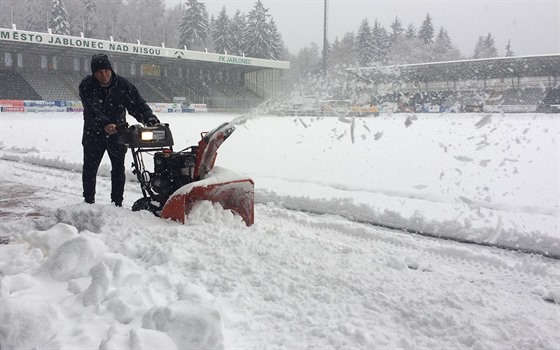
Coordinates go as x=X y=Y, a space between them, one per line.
x=39 y=38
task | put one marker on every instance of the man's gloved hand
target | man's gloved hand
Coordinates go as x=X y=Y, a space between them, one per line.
x=110 y=129
x=153 y=120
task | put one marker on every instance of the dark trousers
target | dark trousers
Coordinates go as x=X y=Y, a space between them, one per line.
x=95 y=145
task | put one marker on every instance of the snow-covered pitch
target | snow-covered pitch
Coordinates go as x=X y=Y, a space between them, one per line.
x=316 y=270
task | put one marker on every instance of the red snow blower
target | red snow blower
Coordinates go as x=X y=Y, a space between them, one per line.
x=181 y=179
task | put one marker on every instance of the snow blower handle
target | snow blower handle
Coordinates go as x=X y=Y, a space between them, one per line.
x=122 y=128
x=152 y=121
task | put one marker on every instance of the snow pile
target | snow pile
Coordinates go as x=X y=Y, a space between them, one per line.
x=89 y=282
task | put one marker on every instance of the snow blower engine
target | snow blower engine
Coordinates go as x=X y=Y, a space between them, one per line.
x=181 y=179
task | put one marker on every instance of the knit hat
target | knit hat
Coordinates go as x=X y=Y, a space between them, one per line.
x=100 y=61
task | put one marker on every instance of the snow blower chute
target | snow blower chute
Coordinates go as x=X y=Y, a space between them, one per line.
x=181 y=179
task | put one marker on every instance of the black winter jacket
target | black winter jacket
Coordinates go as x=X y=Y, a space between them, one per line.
x=103 y=106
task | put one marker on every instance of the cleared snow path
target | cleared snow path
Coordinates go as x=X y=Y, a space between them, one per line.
x=293 y=280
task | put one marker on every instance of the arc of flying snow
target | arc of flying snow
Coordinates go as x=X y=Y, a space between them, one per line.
x=484 y=121
x=352 y=127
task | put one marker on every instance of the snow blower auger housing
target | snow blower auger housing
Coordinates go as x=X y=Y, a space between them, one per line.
x=181 y=179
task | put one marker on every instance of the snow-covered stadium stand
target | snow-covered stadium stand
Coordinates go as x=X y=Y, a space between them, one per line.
x=507 y=84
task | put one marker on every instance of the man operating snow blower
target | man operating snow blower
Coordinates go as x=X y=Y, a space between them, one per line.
x=106 y=97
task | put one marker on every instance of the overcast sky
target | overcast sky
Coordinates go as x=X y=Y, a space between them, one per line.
x=532 y=26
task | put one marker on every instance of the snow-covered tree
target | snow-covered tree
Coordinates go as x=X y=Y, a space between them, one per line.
x=91 y=13
x=407 y=51
x=343 y=53
x=259 y=36
x=485 y=47
x=277 y=43
x=413 y=49
x=58 y=19
x=34 y=21
x=479 y=48
x=381 y=42
x=444 y=50
x=211 y=27
x=307 y=61
x=442 y=44
x=426 y=32
x=128 y=25
x=237 y=28
x=114 y=21
x=509 y=53
x=221 y=33
x=171 y=17
x=194 y=26
x=410 y=31
x=151 y=21
x=397 y=30
x=128 y=21
x=365 y=44
x=490 y=46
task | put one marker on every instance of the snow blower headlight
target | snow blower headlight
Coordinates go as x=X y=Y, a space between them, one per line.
x=152 y=135
x=140 y=136
x=147 y=136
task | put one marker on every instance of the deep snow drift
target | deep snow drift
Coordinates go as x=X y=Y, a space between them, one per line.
x=95 y=276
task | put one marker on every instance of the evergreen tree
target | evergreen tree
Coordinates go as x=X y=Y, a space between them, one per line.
x=442 y=43
x=485 y=47
x=331 y=63
x=194 y=26
x=211 y=26
x=130 y=23
x=277 y=42
x=237 y=28
x=381 y=42
x=35 y=21
x=90 y=13
x=221 y=33
x=344 y=53
x=210 y=39
x=490 y=46
x=426 y=32
x=307 y=61
x=479 y=48
x=509 y=53
x=171 y=17
x=58 y=20
x=397 y=30
x=112 y=22
x=365 y=44
x=407 y=51
x=410 y=31
x=259 y=36
x=444 y=50
x=151 y=19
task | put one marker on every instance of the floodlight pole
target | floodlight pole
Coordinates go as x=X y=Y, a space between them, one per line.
x=325 y=41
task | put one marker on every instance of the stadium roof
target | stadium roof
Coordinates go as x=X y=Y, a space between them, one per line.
x=71 y=45
x=479 y=69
